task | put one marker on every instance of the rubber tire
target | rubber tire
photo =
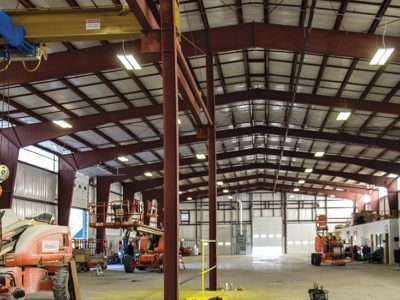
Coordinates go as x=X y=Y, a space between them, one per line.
x=61 y=285
x=81 y=268
x=317 y=260
x=128 y=264
x=87 y=268
x=312 y=258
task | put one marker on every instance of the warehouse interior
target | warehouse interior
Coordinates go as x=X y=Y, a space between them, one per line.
x=199 y=149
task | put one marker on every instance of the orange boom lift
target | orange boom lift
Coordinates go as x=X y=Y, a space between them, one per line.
x=329 y=248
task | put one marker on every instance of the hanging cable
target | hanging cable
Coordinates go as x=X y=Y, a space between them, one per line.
x=6 y=67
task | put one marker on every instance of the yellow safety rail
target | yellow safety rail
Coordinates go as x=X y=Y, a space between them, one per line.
x=203 y=270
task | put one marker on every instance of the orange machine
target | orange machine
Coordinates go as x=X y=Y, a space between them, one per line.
x=328 y=247
x=150 y=256
x=34 y=255
x=130 y=216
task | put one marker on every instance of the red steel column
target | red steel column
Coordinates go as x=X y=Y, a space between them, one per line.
x=9 y=157
x=212 y=173
x=393 y=197
x=103 y=185
x=171 y=149
x=66 y=180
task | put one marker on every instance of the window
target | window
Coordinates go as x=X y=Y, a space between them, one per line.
x=185 y=217
x=38 y=157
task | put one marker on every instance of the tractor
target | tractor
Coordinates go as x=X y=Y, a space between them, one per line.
x=34 y=256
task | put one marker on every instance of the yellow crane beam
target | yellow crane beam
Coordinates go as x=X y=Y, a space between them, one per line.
x=77 y=24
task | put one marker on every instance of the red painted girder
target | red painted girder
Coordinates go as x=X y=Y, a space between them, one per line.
x=129 y=172
x=269 y=186
x=139 y=186
x=235 y=37
x=35 y=133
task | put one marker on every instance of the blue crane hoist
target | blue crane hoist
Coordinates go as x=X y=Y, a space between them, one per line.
x=15 y=43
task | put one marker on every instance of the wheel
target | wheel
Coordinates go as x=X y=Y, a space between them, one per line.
x=81 y=268
x=61 y=285
x=87 y=268
x=313 y=259
x=317 y=259
x=128 y=260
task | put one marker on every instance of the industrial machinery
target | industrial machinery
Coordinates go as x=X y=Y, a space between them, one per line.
x=87 y=256
x=318 y=293
x=329 y=248
x=149 y=255
x=130 y=215
x=34 y=256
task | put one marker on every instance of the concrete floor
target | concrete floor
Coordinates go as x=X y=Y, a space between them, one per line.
x=284 y=277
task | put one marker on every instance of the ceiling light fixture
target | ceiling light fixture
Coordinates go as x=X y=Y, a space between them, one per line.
x=179 y=121
x=308 y=170
x=180 y=193
x=381 y=56
x=200 y=156
x=230 y=197
x=220 y=183
x=343 y=116
x=123 y=158
x=296 y=190
x=301 y=181
x=148 y=174
x=189 y=198
x=62 y=124
x=226 y=191
x=333 y=196
x=319 y=154
x=392 y=175
x=129 y=61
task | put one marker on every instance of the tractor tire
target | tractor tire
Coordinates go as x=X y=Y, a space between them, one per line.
x=317 y=260
x=313 y=259
x=128 y=264
x=61 y=285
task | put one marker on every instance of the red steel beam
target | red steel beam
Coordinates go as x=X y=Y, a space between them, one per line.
x=129 y=172
x=281 y=187
x=39 y=132
x=212 y=173
x=171 y=149
x=142 y=185
x=86 y=159
x=229 y=38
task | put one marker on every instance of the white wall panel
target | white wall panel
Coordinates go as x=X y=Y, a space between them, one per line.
x=26 y=208
x=300 y=238
x=35 y=183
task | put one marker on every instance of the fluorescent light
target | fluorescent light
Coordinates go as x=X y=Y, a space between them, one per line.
x=296 y=189
x=189 y=198
x=200 y=156
x=319 y=154
x=301 y=181
x=220 y=183
x=148 y=174
x=180 y=192
x=308 y=170
x=381 y=56
x=123 y=159
x=62 y=124
x=230 y=197
x=343 y=115
x=226 y=191
x=391 y=175
x=129 y=62
x=333 y=196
